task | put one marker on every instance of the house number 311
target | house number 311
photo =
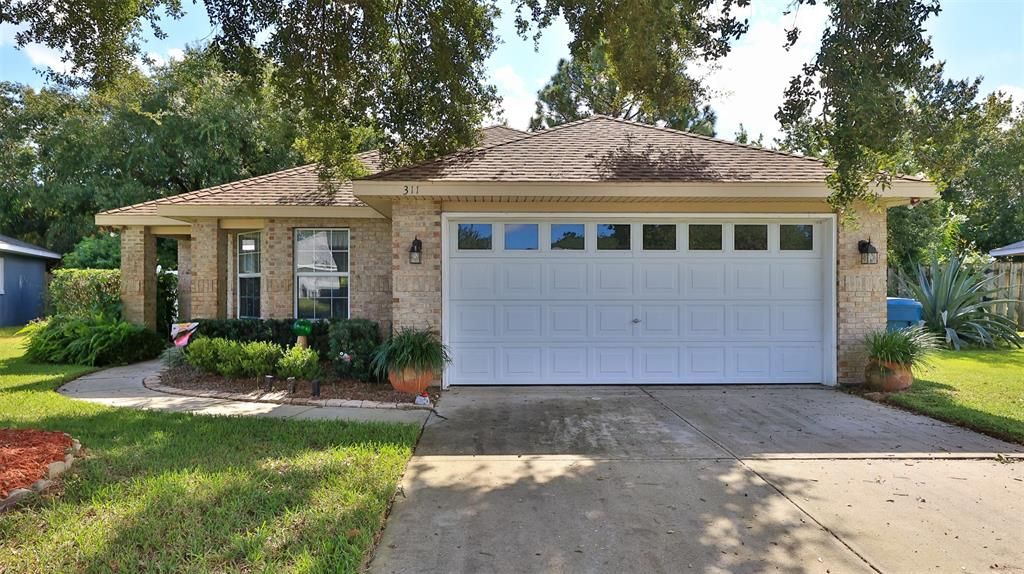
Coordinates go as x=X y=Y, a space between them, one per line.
x=410 y=190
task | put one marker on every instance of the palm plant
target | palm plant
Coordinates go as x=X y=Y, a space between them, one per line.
x=957 y=305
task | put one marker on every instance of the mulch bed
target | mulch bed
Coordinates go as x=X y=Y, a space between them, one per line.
x=330 y=388
x=25 y=454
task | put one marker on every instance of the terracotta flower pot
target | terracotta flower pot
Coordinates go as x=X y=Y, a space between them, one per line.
x=410 y=380
x=887 y=377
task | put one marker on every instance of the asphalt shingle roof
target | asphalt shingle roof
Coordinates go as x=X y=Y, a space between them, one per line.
x=605 y=149
x=296 y=186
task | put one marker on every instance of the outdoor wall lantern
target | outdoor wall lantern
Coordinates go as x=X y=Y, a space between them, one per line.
x=416 y=252
x=868 y=252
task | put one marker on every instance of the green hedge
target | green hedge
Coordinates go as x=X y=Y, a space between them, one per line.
x=358 y=339
x=94 y=341
x=85 y=292
x=277 y=331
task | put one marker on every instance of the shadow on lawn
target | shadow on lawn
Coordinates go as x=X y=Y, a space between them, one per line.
x=937 y=400
x=169 y=491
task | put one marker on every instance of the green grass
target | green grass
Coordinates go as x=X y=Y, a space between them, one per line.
x=165 y=492
x=982 y=390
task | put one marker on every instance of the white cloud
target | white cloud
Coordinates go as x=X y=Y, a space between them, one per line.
x=748 y=85
x=7 y=32
x=517 y=101
x=1015 y=92
x=175 y=54
x=46 y=57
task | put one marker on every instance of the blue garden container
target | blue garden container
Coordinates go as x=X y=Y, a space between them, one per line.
x=902 y=313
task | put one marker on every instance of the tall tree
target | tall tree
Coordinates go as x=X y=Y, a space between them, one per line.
x=581 y=87
x=68 y=154
x=411 y=72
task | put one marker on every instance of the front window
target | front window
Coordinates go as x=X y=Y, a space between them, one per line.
x=248 y=275
x=321 y=273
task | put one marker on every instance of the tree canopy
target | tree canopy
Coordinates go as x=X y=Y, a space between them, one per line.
x=68 y=154
x=581 y=87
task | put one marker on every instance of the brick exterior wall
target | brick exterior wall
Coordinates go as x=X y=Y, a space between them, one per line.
x=417 y=288
x=369 y=266
x=209 y=270
x=184 y=280
x=861 y=291
x=138 y=275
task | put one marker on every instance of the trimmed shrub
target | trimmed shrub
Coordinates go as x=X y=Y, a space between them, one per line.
x=201 y=354
x=85 y=292
x=173 y=357
x=299 y=363
x=259 y=358
x=166 y=301
x=277 y=331
x=94 y=341
x=358 y=339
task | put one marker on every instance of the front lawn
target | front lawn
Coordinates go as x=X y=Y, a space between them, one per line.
x=982 y=390
x=165 y=492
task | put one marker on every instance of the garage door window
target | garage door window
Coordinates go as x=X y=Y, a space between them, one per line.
x=796 y=237
x=750 y=237
x=474 y=236
x=704 y=237
x=613 y=236
x=521 y=236
x=659 y=237
x=568 y=236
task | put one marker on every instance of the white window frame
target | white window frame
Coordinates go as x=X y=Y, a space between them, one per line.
x=296 y=273
x=240 y=275
x=2 y=275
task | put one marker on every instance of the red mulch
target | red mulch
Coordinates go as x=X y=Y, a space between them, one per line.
x=24 y=455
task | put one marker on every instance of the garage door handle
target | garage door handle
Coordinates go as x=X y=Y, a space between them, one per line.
x=635 y=321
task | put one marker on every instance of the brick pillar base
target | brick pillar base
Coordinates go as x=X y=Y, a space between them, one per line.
x=209 y=270
x=416 y=298
x=184 y=280
x=861 y=291
x=138 y=275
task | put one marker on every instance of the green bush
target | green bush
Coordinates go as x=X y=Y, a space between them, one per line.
x=166 y=301
x=201 y=354
x=909 y=346
x=357 y=339
x=173 y=357
x=94 y=341
x=259 y=358
x=299 y=363
x=416 y=349
x=270 y=330
x=233 y=359
x=85 y=292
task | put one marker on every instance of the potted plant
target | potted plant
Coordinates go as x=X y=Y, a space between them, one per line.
x=892 y=355
x=410 y=360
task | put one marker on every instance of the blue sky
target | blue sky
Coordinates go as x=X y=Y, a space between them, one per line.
x=975 y=38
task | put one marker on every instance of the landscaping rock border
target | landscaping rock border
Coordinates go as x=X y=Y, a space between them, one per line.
x=154 y=383
x=53 y=470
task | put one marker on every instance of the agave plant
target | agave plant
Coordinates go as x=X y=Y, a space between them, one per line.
x=957 y=305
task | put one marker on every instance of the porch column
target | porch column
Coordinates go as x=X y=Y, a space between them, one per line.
x=861 y=291
x=138 y=275
x=416 y=289
x=209 y=270
x=184 y=280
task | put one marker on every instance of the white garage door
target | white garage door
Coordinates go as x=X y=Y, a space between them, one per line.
x=620 y=301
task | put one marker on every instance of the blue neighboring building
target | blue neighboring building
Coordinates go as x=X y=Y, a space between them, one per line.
x=22 y=280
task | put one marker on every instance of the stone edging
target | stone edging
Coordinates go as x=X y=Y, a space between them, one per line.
x=53 y=470
x=154 y=383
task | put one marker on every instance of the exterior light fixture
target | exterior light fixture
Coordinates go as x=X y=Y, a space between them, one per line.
x=416 y=252
x=868 y=252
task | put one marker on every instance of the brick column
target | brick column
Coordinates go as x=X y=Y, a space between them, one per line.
x=277 y=295
x=416 y=298
x=861 y=291
x=184 y=280
x=138 y=275
x=209 y=270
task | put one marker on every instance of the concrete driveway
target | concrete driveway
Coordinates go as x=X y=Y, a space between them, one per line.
x=701 y=479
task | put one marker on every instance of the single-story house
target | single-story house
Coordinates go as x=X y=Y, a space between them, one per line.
x=1011 y=250
x=23 y=269
x=600 y=251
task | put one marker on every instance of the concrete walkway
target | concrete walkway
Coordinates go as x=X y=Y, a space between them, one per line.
x=700 y=479
x=122 y=387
